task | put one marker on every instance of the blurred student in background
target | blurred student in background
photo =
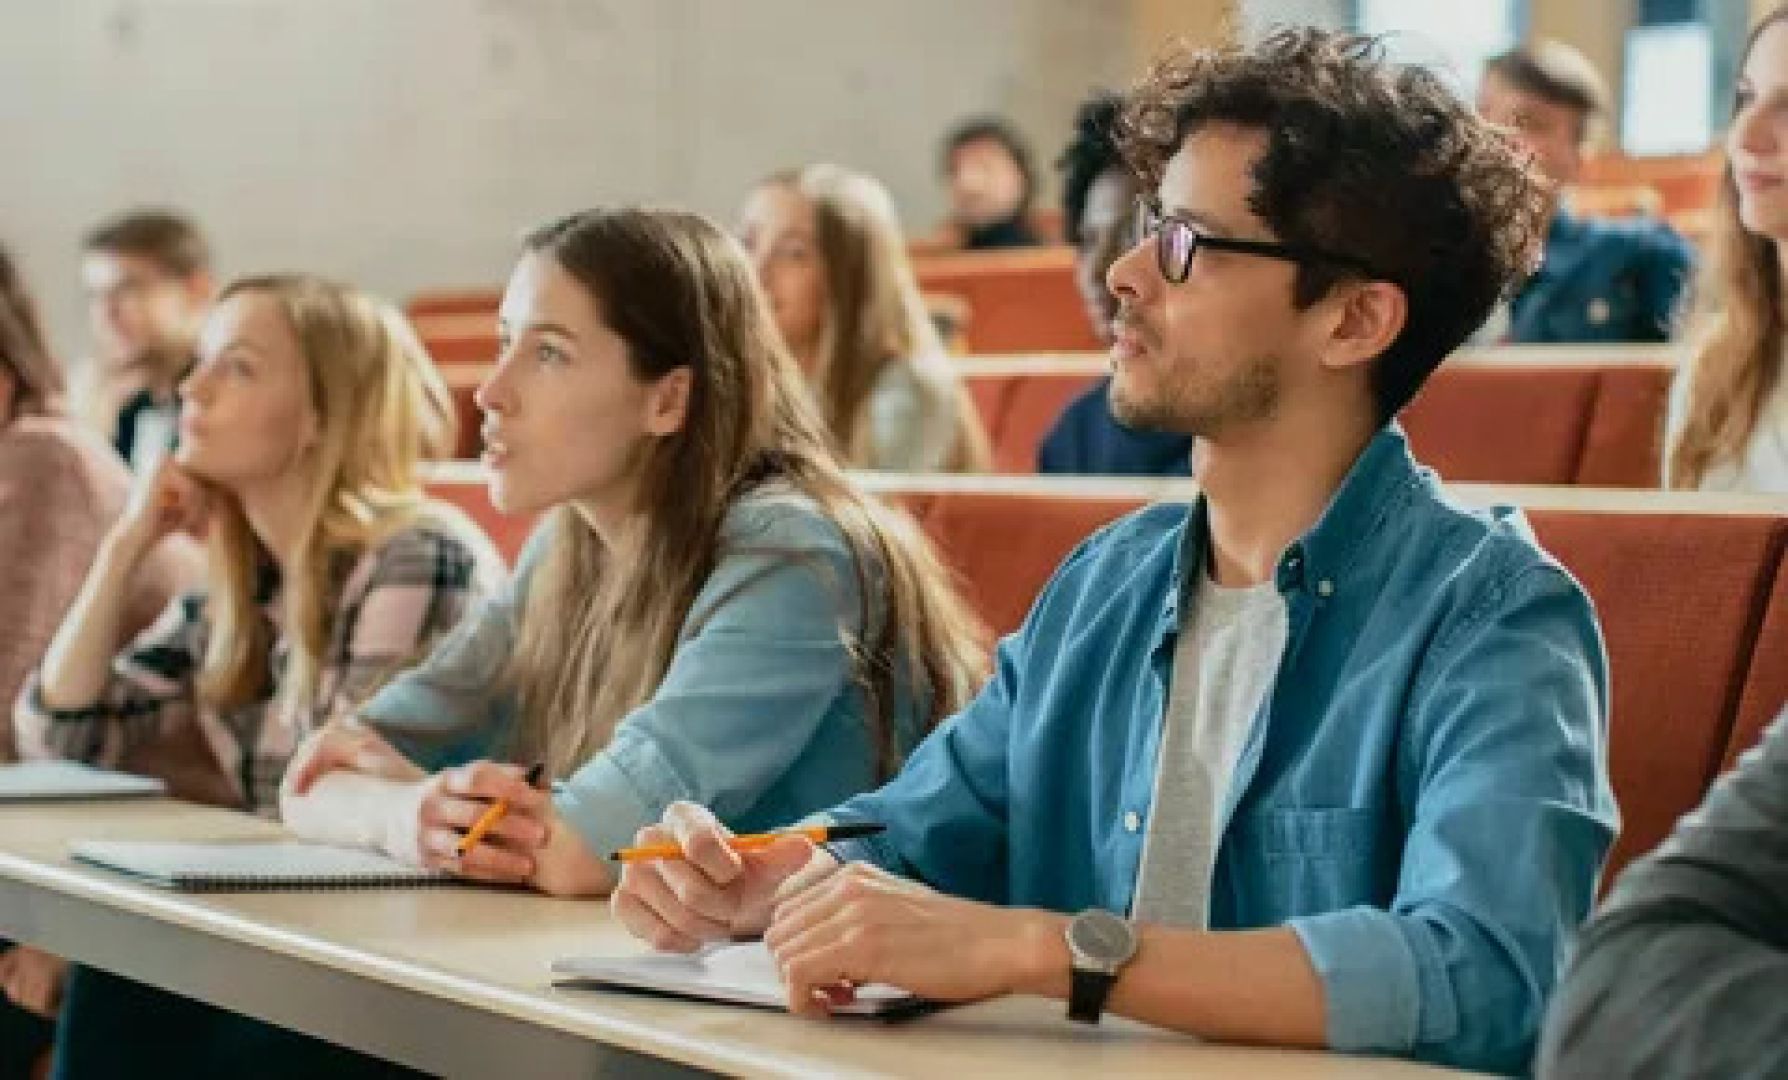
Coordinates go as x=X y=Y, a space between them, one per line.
x=1599 y=279
x=148 y=279
x=1728 y=420
x=829 y=254
x=1099 y=209
x=992 y=185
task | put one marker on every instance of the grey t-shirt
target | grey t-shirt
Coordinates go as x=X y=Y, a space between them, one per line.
x=1224 y=662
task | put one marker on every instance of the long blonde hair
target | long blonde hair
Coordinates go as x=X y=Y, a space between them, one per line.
x=875 y=315
x=1738 y=365
x=381 y=408
x=597 y=630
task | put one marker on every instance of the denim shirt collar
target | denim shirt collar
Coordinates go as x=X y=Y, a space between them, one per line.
x=1317 y=562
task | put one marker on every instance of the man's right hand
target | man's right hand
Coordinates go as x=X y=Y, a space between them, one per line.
x=713 y=893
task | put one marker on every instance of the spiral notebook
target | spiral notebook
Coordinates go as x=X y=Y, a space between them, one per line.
x=60 y=781
x=255 y=866
x=743 y=974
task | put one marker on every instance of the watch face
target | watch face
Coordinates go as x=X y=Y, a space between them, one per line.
x=1102 y=937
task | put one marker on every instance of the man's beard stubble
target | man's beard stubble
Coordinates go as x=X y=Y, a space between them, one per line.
x=1187 y=405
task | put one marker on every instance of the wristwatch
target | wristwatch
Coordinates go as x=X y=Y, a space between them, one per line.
x=1100 y=944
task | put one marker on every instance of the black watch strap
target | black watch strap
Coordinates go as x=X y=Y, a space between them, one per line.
x=1087 y=991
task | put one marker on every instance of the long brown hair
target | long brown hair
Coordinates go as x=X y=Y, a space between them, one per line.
x=23 y=351
x=381 y=408
x=1739 y=364
x=875 y=316
x=597 y=631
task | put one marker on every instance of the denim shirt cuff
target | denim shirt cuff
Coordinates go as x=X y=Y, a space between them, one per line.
x=872 y=849
x=604 y=806
x=1370 y=981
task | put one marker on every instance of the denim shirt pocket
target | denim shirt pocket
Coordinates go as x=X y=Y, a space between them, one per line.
x=1288 y=863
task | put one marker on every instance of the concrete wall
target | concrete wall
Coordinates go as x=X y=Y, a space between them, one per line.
x=404 y=143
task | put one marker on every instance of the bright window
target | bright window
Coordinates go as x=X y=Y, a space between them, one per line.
x=1668 y=104
x=1453 y=38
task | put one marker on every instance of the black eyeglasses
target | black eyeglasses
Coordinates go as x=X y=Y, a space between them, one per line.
x=1177 y=240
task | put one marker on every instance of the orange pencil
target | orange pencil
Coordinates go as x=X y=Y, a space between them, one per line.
x=488 y=820
x=819 y=834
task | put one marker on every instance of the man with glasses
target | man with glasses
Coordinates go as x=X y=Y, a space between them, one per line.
x=147 y=274
x=1317 y=760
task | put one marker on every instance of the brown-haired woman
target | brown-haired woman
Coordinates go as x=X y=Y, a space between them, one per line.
x=1728 y=425
x=829 y=254
x=712 y=612
x=61 y=489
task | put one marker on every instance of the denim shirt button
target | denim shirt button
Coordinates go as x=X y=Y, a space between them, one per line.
x=1132 y=821
x=1325 y=588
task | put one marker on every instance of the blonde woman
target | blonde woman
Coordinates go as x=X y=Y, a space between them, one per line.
x=300 y=434
x=301 y=430
x=1728 y=425
x=829 y=254
x=712 y=610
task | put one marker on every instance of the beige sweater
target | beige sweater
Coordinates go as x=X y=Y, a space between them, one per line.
x=61 y=489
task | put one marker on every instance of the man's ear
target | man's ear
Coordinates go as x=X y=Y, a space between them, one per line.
x=1372 y=314
x=667 y=401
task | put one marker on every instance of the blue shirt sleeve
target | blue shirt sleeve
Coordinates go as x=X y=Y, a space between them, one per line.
x=764 y=659
x=1510 y=820
x=948 y=811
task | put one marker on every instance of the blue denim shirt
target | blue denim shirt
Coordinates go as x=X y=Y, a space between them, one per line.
x=1087 y=439
x=758 y=717
x=1603 y=281
x=1423 y=796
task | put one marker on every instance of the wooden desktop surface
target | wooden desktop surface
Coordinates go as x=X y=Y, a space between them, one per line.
x=456 y=980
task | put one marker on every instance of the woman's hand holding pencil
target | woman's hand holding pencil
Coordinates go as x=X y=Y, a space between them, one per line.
x=497 y=809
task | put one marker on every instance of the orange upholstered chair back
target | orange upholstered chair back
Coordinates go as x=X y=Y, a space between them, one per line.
x=1766 y=683
x=1018 y=301
x=477 y=301
x=1004 y=546
x=1624 y=444
x=1678 y=596
x=1487 y=424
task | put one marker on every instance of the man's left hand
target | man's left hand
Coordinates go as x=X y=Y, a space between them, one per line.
x=865 y=925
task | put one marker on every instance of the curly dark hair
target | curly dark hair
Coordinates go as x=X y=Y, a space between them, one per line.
x=1092 y=150
x=1377 y=161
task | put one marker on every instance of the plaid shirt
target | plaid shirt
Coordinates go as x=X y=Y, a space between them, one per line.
x=395 y=600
